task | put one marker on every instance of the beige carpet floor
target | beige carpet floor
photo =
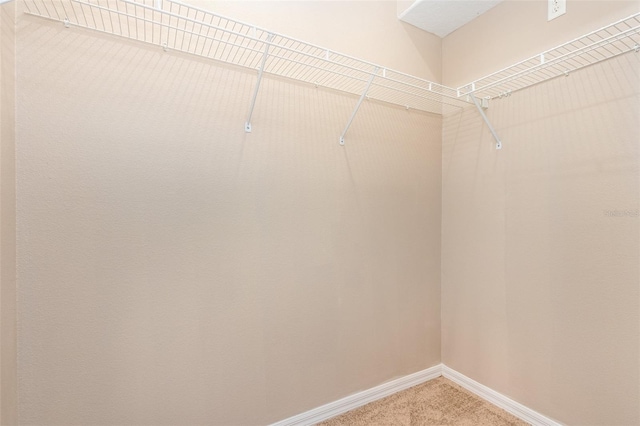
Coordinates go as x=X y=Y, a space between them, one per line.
x=436 y=402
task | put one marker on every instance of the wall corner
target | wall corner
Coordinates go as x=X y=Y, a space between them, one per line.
x=8 y=304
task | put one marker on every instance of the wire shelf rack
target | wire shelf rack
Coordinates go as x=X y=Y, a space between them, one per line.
x=605 y=43
x=174 y=25
x=177 y=26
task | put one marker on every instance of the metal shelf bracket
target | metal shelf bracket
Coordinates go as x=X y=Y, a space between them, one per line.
x=355 y=110
x=265 y=54
x=481 y=108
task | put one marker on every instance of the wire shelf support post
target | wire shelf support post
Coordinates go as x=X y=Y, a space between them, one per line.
x=486 y=120
x=355 y=110
x=265 y=54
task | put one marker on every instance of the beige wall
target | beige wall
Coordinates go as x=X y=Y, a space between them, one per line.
x=176 y=270
x=540 y=288
x=173 y=269
x=8 y=344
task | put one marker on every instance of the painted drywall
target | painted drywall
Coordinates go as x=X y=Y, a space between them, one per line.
x=174 y=269
x=8 y=343
x=540 y=240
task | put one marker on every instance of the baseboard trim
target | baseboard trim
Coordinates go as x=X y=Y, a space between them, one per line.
x=359 y=399
x=520 y=411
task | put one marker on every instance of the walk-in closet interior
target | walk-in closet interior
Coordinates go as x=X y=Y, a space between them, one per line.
x=263 y=212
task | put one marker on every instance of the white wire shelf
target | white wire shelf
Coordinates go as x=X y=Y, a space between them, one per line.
x=605 y=43
x=174 y=25
x=177 y=26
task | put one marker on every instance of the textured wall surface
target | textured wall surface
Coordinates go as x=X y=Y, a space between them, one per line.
x=540 y=241
x=176 y=270
x=8 y=344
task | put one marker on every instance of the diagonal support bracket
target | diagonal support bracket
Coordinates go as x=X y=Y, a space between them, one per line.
x=355 y=110
x=486 y=120
x=265 y=54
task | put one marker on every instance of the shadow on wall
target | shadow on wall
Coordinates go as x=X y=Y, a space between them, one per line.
x=551 y=283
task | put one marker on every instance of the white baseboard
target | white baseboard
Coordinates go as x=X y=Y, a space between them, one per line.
x=507 y=404
x=359 y=399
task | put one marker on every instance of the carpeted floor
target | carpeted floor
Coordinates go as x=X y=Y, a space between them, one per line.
x=436 y=402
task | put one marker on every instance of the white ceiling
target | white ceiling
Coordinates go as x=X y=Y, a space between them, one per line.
x=442 y=17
